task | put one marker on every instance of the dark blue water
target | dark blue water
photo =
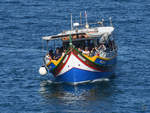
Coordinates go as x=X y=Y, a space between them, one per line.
x=23 y=90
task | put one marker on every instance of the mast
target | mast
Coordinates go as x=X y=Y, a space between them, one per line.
x=71 y=22
x=80 y=18
x=110 y=19
x=86 y=24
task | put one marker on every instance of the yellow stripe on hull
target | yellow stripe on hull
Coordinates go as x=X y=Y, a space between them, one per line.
x=97 y=57
x=93 y=59
x=55 y=62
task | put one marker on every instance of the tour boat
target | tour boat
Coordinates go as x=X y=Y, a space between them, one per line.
x=77 y=65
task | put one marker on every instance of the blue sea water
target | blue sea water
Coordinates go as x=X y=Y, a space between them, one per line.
x=23 y=90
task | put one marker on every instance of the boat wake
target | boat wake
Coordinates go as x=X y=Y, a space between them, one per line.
x=51 y=82
x=101 y=80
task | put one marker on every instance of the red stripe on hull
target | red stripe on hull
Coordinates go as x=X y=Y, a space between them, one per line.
x=63 y=65
x=85 y=63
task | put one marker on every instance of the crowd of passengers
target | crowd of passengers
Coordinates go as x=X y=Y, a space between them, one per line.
x=89 y=51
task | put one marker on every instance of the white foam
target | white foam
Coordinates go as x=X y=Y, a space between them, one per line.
x=100 y=80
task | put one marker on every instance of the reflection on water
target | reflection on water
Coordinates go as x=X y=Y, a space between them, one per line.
x=82 y=92
x=90 y=97
x=80 y=98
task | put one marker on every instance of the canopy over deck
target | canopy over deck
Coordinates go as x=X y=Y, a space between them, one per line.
x=81 y=33
x=59 y=36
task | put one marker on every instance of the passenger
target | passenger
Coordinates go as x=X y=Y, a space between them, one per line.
x=47 y=56
x=57 y=54
x=79 y=49
x=51 y=55
x=92 y=53
x=96 y=51
x=63 y=53
x=102 y=47
x=86 y=51
x=61 y=50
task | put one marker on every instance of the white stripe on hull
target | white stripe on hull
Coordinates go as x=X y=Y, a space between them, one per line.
x=73 y=62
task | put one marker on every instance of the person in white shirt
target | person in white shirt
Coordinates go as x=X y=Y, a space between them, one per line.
x=86 y=51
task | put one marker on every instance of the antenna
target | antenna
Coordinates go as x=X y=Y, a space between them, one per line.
x=102 y=22
x=86 y=25
x=71 y=22
x=110 y=19
x=80 y=18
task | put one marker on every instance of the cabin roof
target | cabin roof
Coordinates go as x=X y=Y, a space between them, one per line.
x=59 y=36
x=90 y=32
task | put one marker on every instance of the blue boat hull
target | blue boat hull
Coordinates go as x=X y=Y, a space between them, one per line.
x=76 y=75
